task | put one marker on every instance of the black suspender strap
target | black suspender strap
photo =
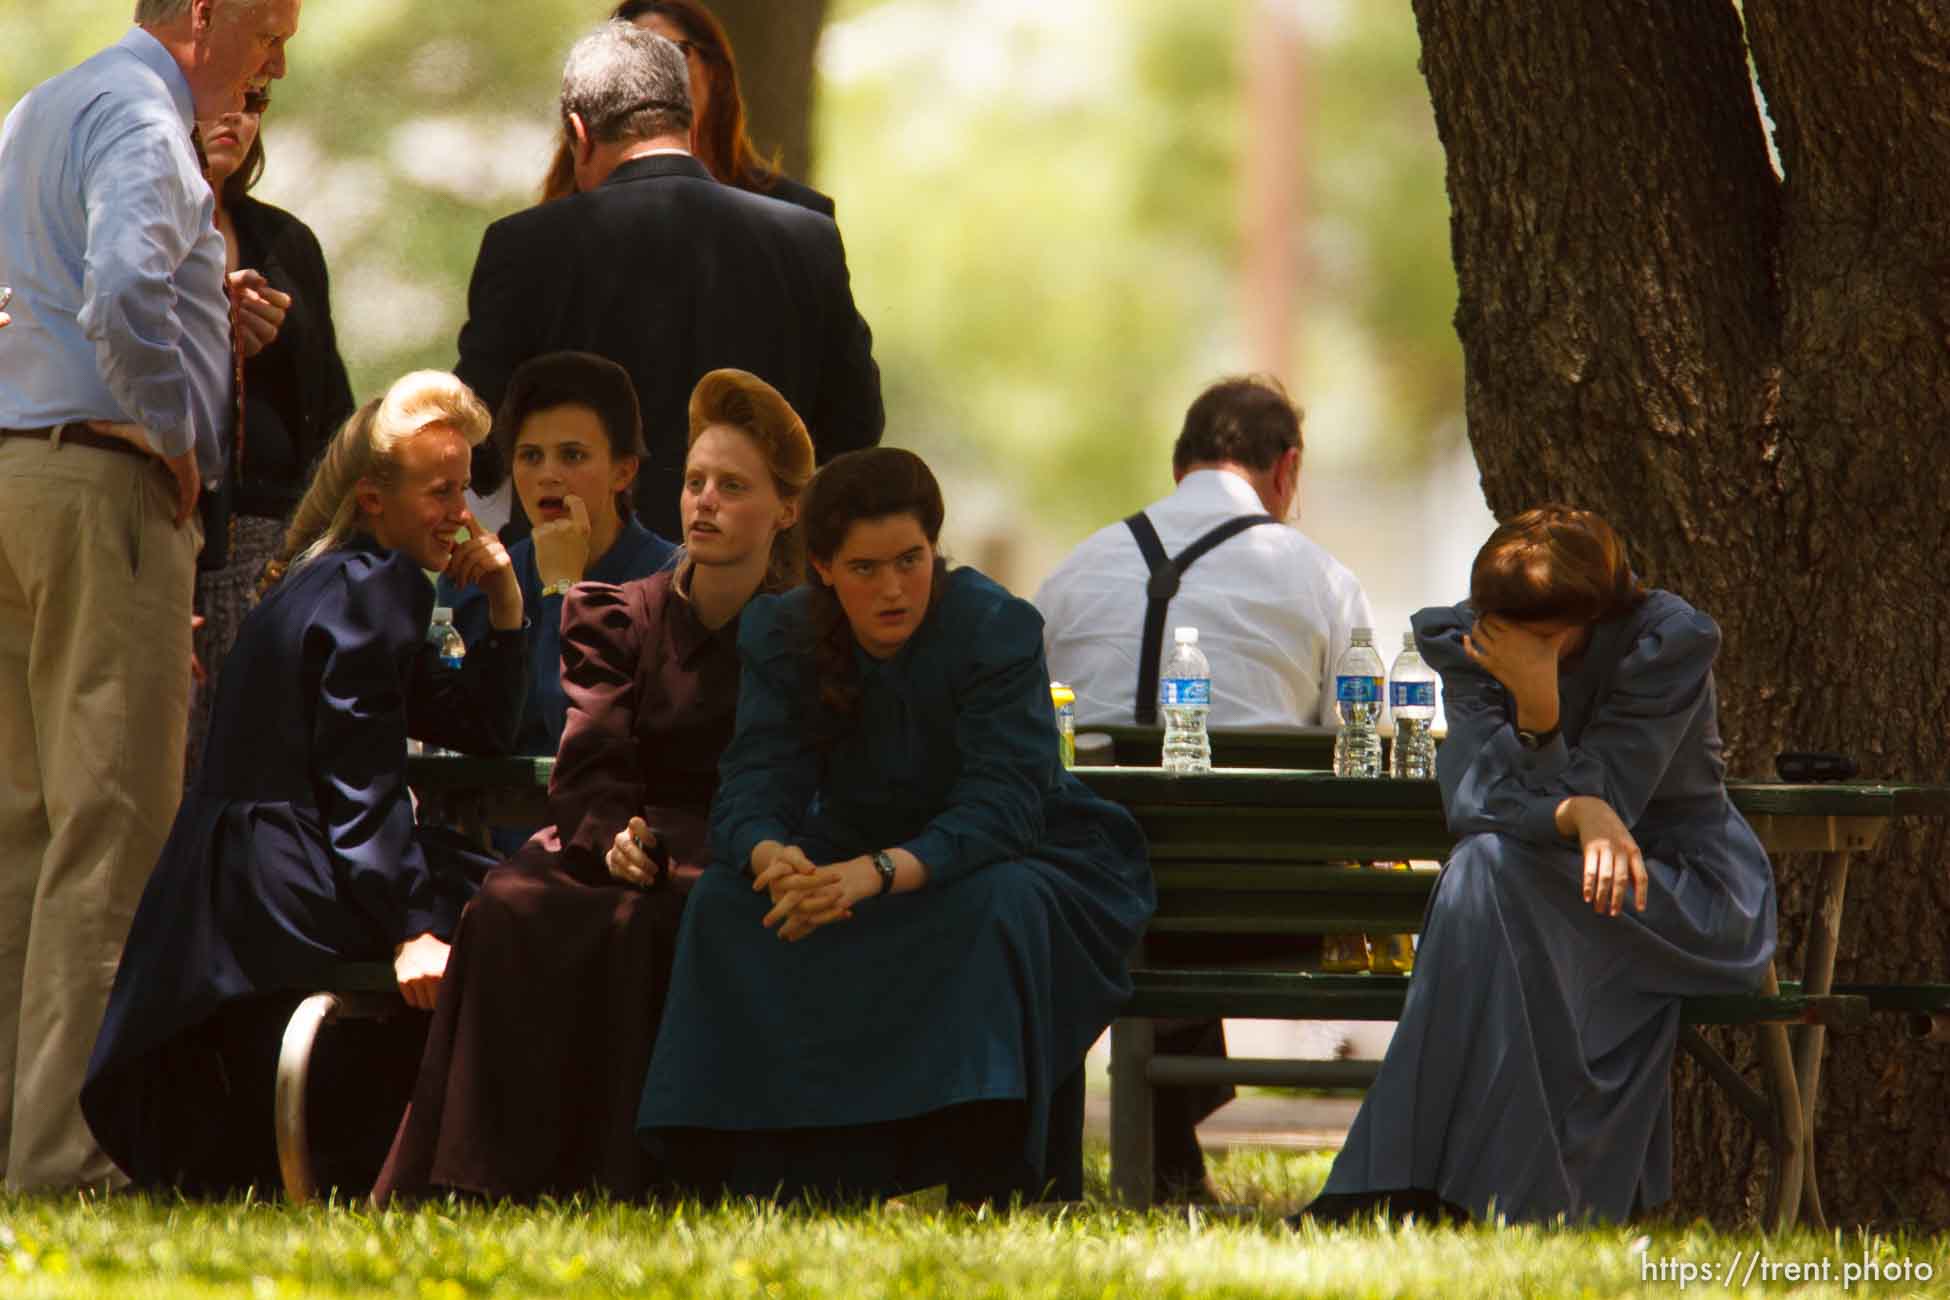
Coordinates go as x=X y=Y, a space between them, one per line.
x=1165 y=573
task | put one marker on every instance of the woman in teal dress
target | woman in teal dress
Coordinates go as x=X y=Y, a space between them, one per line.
x=916 y=921
x=1600 y=876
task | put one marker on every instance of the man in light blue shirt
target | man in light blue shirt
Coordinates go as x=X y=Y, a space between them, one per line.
x=115 y=399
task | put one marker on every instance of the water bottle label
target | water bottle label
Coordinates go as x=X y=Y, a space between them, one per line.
x=1185 y=692
x=1412 y=695
x=1357 y=690
x=451 y=661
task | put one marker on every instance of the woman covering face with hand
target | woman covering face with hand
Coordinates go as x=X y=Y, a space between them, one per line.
x=297 y=850
x=916 y=921
x=558 y=974
x=1601 y=875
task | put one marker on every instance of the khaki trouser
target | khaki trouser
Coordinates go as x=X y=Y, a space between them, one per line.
x=95 y=586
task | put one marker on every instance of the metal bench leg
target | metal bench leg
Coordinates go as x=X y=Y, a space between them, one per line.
x=1784 y=1096
x=294 y=1070
x=1133 y=1147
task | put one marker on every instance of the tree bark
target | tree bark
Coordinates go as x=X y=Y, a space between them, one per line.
x=1750 y=378
x=777 y=42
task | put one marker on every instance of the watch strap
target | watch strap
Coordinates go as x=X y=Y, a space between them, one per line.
x=883 y=863
x=1535 y=740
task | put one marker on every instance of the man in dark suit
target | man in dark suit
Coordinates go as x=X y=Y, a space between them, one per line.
x=658 y=267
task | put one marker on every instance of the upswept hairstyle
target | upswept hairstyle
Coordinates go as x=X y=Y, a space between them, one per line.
x=626 y=84
x=573 y=379
x=872 y=483
x=721 y=140
x=367 y=449
x=740 y=400
x=1248 y=420
x=1554 y=563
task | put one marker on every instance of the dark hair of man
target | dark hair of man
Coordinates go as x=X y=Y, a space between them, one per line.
x=627 y=84
x=1557 y=564
x=872 y=483
x=1248 y=421
x=573 y=379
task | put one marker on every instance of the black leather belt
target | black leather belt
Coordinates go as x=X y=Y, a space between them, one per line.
x=81 y=436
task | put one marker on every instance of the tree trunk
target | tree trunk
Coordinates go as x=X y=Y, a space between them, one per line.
x=776 y=42
x=1749 y=378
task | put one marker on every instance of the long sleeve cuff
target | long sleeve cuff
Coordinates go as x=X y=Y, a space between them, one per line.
x=1539 y=770
x=935 y=849
x=749 y=836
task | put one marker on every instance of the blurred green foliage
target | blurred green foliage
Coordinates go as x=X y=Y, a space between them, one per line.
x=1040 y=206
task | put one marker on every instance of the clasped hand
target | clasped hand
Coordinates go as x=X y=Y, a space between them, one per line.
x=806 y=896
x=629 y=858
x=419 y=964
x=260 y=310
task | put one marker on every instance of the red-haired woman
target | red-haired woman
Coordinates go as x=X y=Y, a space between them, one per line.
x=538 y=1048
x=1601 y=875
x=718 y=134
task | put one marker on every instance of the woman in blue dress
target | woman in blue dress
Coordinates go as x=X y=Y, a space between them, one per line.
x=916 y=921
x=297 y=850
x=1601 y=875
x=571 y=428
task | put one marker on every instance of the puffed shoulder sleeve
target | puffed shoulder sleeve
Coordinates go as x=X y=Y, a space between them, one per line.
x=1491 y=782
x=770 y=771
x=367 y=635
x=598 y=782
x=1006 y=733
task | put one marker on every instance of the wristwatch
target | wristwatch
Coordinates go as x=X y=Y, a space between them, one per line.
x=883 y=862
x=1535 y=740
x=557 y=588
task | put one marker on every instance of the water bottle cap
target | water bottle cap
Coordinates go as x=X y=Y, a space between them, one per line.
x=1363 y=636
x=442 y=614
x=1185 y=635
x=1408 y=640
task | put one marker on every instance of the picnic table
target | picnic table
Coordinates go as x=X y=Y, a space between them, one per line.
x=1257 y=851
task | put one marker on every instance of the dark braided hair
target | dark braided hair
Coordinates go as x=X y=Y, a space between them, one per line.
x=873 y=483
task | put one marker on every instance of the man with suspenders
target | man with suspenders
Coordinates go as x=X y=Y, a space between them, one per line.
x=1273 y=611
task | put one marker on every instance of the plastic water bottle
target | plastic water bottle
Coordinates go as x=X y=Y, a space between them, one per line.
x=1411 y=698
x=452 y=649
x=1185 y=697
x=1358 y=692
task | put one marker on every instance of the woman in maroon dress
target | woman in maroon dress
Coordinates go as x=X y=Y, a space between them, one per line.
x=555 y=985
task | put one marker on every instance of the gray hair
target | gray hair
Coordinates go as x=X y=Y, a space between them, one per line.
x=626 y=83
x=161 y=13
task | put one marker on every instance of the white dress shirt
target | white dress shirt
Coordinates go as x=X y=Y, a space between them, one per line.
x=1273 y=612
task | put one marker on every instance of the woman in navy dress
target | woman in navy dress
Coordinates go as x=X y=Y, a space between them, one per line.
x=1601 y=876
x=571 y=428
x=916 y=921
x=296 y=850
x=535 y=1062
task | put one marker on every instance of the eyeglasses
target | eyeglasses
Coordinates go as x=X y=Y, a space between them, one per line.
x=689 y=48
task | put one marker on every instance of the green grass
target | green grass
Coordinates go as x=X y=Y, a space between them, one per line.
x=132 y=1248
